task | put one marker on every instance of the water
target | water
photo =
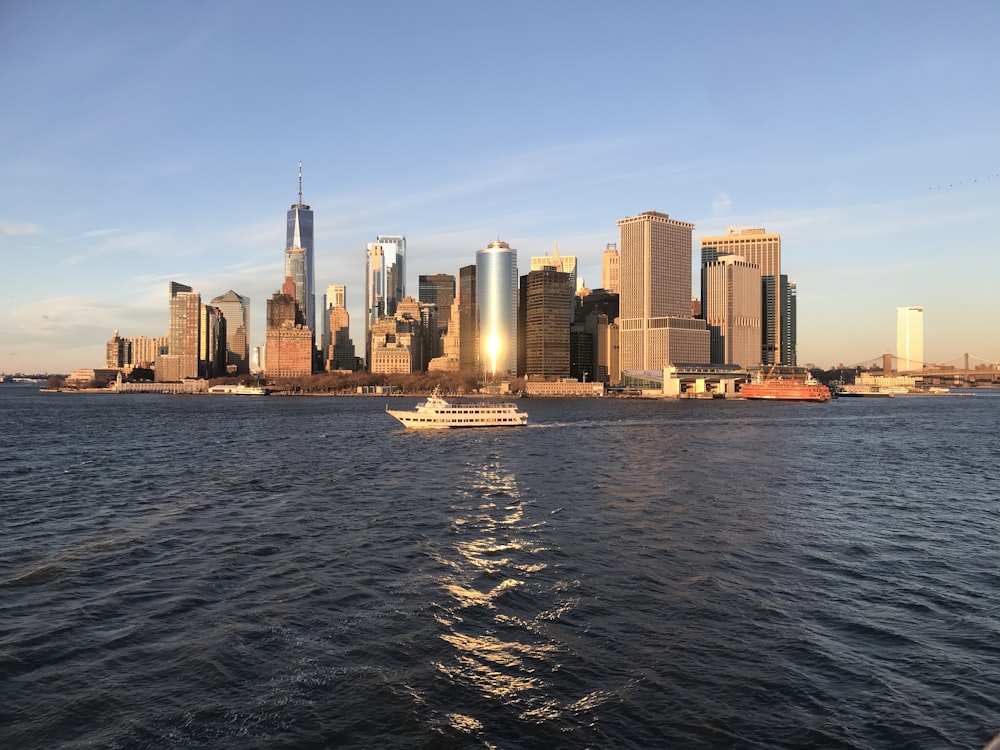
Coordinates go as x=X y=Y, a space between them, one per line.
x=226 y=572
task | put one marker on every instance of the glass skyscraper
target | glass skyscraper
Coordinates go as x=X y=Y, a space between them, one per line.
x=299 y=234
x=496 y=306
x=236 y=309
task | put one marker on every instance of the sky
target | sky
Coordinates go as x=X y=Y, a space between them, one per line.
x=143 y=143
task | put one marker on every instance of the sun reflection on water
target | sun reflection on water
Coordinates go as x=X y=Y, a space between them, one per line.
x=499 y=649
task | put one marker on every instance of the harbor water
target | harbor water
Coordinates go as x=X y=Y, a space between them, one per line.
x=246 y=572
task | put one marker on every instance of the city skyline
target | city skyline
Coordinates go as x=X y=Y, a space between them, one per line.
x=127 y=165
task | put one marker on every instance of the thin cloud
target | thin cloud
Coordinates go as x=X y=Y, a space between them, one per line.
x=13 y=229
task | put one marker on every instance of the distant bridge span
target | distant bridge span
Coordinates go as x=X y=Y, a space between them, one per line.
x=969 y=372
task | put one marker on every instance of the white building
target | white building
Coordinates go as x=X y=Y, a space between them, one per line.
x=909 y=338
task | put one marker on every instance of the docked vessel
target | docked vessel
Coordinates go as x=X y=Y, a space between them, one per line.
x=435 y=413
x=238 y=390
x=786 y=389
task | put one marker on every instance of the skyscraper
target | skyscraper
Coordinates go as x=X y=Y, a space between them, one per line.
x=762 y=248
x=395 y=246
x=546 y=322
x=340 y=353
x=299 y=234
x=496 y=308
x=289 y=345
x=437 y=290
x=563 y=263
x=236 y=309
x=789 y=322
x=610 y=276
x=212 y=343
x=468 y=342
x=385 y=269
x=909 y=338
x=336 y=296
x=181 y=359
x=657 y=328
x=731 y=308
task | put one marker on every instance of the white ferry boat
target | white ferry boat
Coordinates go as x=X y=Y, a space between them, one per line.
x=435 y=413
x=238 y=390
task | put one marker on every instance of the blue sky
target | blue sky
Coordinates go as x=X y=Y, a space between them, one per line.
x=142 y=143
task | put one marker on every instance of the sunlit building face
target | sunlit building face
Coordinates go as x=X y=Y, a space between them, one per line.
x=496 y=302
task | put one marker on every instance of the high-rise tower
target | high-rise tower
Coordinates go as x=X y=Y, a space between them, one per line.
x=468 y=323
x=546 y=322
x=909 y=338
x=563 y=263
x=181 y=359
x=657 y=328
x=236 y=309
x=610 y=277
x=496 y=308
x=762 y=248
x=385 y=272
x=731 y=307
x=299 y=234
x=437 y=290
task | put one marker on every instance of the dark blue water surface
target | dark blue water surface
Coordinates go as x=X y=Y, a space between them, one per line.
x=230 y=572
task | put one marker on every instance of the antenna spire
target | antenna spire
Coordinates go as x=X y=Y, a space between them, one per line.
x=300 y=183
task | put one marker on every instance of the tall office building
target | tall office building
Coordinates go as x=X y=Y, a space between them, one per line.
x=236 y=309
x=756 y=245
x=288 y=349
x=395 y=248
x=212 y=346
x=385 y=270
x=731 y=308
x=656 y=325
x=437 y=289
x=909 y=338
x=118 y=353
x=184 y=333
x=336 y=296
x=789 y=322
x=468 y=342
x=299 y=234
x=340 y=352
x=496 y=308
x=610 y=269
x=565 y=264
x=546 y=326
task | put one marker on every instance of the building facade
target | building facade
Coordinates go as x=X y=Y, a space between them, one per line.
x=656 y=326
x=731 y=308
x=547 y=322
x=468 y=344
x=184 y=332
x=496 y=308
x=385 y=272
x=212 y=351
x=340 y=352
x=288 y=347
x=789 y=322
x=763 y=248
x=610 y=269
x=236 y=309
x=564 y=263
x=909 y=338
x=437 y=292
x=336 y=296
